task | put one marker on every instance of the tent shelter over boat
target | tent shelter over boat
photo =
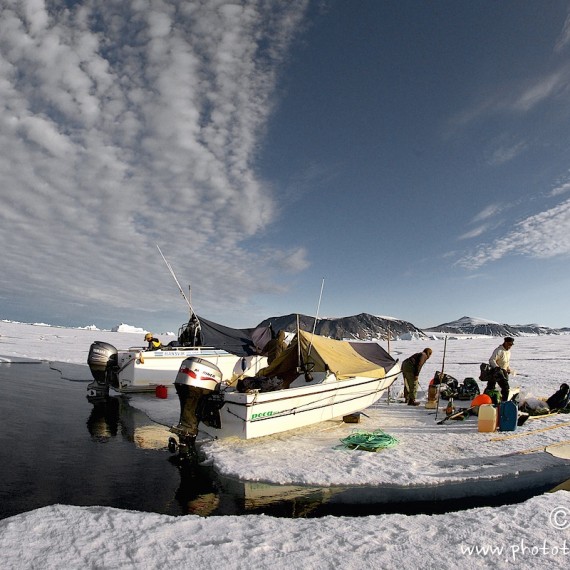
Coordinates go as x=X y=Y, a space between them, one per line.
x=319 y=354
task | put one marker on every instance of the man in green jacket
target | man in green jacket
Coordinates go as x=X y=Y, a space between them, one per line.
x=411 y=370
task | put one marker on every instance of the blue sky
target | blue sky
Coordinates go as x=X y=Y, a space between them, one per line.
x=414 y=155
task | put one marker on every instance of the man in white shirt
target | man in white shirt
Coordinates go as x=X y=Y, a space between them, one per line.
x=500 y=363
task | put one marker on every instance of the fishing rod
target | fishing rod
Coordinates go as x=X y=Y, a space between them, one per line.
x=176 y=280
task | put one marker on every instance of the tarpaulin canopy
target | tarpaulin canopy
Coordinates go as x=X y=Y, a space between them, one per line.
x=320 y=354
x=374 y=352
x=242 y=342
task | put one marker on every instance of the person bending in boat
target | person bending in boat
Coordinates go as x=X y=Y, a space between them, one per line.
x=275 y=347
x=153 y=343
x=411 y=370
x=500 y=363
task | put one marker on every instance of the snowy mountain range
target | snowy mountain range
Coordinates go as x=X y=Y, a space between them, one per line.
x=473 y=325
x=370 y=327
x=362 y=327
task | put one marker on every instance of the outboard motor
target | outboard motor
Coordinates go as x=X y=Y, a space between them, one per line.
x=199 y=373
x=196 y=378
x=102 y=358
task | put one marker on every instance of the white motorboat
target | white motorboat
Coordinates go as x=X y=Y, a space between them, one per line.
x=323 y=379
x=236 y=352
x=139 y=370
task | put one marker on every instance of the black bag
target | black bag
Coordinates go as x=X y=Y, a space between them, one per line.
x=450 y=390
x=439 y=378
x=486 y=372
x=559 y=400
x=468 y=390
x=261 y=383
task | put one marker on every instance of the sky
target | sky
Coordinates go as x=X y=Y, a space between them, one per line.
x=410 y=156
x=529 y=534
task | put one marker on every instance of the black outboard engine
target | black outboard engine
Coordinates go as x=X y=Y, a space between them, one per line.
x=102 y=358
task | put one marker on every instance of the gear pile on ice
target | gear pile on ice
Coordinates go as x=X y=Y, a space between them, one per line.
x=466 y=391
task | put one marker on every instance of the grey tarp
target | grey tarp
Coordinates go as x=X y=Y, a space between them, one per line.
x=242 y=342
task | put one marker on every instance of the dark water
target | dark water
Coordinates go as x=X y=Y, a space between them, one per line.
x=56 y=447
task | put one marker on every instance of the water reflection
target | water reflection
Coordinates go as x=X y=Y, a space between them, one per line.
x=103 y=422
x=110 y=454
x=202 y=491
x=198 y=493
x=114 y=416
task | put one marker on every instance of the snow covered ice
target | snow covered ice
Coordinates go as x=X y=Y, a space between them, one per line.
x=533 y=533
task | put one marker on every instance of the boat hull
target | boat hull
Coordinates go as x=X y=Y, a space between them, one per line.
x=257 y=414
x=142 y=371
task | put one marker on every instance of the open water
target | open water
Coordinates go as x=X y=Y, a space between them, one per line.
x=57 y=447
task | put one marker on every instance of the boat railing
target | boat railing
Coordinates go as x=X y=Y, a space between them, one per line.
x=171 y=348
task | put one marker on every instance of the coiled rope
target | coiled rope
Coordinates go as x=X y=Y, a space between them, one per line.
x=369 y=441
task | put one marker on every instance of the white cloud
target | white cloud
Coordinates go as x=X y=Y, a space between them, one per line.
x=123 y=125
x=488 y=212
x=516 y=98
x=564 y=37
x=475 y=232
x=543 y=235
x=543 y=88
x=482 y=221
x=506 y=153
x=560 y=189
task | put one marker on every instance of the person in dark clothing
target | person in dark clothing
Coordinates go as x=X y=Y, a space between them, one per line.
x=192 y=334
x=275 y=347
x=411 y=368
x=187 y=428
x=559 y=400
x=153 y=343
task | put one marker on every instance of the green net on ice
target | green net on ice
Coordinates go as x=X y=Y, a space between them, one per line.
x=369 y=441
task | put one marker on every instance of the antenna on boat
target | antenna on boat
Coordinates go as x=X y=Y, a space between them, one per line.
x=177 y=283
x=316 y=316
x=298 y=346
x=441 y=377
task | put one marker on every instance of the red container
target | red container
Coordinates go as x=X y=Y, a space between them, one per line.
x=161 y=392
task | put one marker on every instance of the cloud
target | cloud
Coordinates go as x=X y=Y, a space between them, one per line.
x=560 y=189
x=126 y=124
x=564 y=37
x=488 y=212
x=294 y=261
x=483 y=221
x=543 y=235
x=516 y=99
x=475 y=232
x=506 y=153
x=543 y=88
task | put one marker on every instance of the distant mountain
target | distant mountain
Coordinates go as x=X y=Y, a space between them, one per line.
x=371 y=327
x=356 y=327
x=472 y=325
